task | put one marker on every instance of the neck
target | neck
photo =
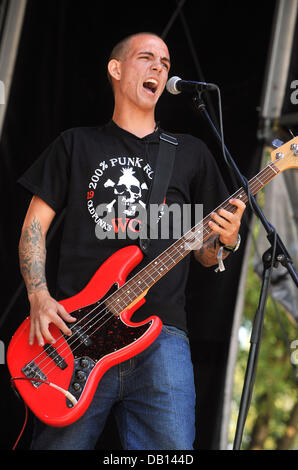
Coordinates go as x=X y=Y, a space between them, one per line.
x=136 y=121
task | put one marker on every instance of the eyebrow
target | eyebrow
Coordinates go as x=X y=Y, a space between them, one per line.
x=152 y=55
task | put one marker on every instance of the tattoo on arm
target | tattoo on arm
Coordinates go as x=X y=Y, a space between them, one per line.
x=207 y=254
x=32 y=255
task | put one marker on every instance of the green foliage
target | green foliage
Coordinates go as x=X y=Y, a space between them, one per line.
x=275 y=389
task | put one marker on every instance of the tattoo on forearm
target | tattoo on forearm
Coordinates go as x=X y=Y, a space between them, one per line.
x=32 y=255
x=208 y=252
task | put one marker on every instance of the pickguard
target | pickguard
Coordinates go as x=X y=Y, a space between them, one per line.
x=97 y=334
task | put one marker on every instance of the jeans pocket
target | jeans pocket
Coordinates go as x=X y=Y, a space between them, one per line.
x=172 y=330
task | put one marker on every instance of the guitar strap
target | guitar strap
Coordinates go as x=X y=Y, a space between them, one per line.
x=163 y=171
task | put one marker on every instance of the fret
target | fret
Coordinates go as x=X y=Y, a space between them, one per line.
x=149 y=274
x=171 y=258
x=160 y=269
x=157 y=268
x=261 y=183
x=273 y=167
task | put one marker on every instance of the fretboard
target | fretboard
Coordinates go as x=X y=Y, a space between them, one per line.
x=193 y=239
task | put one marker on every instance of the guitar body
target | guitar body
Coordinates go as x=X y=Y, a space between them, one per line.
x=58 y=381
x=67 y=373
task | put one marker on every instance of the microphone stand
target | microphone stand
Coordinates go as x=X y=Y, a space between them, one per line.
x=277 y=253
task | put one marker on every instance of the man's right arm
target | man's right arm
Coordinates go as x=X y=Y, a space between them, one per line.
x=32 y=254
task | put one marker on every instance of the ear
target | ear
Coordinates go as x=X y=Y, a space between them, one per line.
x=114 y=69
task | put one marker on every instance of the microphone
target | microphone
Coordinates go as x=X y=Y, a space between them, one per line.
x=175 y=86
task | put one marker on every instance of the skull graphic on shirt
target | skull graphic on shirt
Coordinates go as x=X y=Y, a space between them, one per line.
x=129 y=190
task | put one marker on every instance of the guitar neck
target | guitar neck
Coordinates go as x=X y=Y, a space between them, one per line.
x=141 y=282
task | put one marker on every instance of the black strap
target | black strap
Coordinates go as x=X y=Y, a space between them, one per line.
x=162 y=175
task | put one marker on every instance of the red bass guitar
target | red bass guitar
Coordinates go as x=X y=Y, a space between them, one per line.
x=58 y=381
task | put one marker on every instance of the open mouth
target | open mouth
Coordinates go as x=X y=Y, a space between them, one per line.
x=150 y=85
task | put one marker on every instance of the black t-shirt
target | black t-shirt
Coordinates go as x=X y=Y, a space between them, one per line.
x=101 y=175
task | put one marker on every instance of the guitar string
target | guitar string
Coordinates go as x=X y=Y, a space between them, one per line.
x=68 y=344
x=105 y=309
x=193 y=231
x=225 y=204
x=101 y=319
x=175 y=261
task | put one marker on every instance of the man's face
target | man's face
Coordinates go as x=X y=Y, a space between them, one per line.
x=144 y=72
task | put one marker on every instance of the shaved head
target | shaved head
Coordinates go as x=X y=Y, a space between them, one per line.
x=121 y=49
x=138 y=70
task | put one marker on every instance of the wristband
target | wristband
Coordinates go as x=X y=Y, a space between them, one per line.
x=231 y=248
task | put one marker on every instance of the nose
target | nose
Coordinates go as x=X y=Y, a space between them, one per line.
x=156 y=66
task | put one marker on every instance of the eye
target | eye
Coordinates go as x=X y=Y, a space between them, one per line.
x=120 y=188
x=134 y=189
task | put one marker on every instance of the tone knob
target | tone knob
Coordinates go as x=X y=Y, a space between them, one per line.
x=80 y=375
x=76 y=386
x=84 y=363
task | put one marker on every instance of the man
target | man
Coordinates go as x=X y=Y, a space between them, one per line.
x=152 y=394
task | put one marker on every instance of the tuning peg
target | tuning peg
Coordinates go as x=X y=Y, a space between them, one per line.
x=277 y=143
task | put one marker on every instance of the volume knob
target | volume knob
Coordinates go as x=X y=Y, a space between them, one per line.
x=80 y=375
x=84 y=363
x=76 y=386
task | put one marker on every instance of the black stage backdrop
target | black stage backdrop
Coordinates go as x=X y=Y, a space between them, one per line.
x=60 y=82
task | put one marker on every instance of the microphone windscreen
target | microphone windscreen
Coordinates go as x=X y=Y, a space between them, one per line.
x=171 y=85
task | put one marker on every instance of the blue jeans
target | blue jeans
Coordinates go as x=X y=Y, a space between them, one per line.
x=153 y=399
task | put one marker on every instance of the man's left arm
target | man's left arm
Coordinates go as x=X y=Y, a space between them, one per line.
x=225 y=228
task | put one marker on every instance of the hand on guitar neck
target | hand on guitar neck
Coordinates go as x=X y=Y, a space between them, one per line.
x=225 y=226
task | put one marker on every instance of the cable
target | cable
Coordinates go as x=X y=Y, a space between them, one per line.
x=244 y=180
x=23 y=428
x=196 y=63
x=172 y=19
x=66 y=393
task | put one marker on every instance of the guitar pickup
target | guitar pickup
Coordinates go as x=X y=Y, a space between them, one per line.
x=53 y=354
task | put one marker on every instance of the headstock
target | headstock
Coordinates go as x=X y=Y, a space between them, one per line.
x=286 y=155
